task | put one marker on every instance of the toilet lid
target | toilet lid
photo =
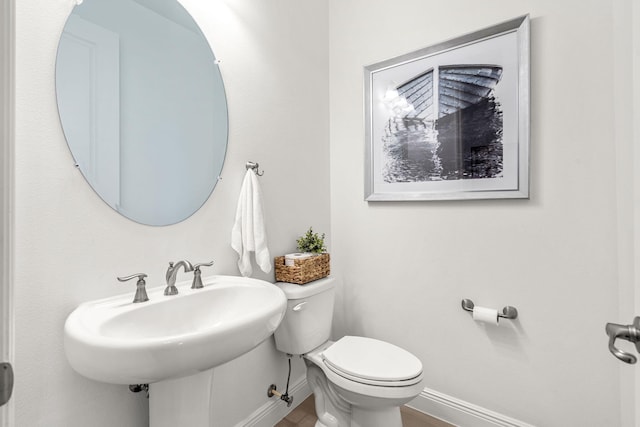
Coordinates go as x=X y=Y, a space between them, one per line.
x=371 y=359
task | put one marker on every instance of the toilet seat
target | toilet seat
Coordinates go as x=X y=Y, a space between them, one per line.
x=372 y=362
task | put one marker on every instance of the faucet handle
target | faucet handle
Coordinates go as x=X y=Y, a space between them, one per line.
x=197 y=274
x=203 y=264
x=140 y=276
x=141 y=292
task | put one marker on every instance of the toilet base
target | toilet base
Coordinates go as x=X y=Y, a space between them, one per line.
x=330 y=410
x=334 y=411
x=364 y=417
x=371 y=417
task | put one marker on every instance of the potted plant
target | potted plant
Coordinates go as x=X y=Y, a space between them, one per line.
x=311 y=242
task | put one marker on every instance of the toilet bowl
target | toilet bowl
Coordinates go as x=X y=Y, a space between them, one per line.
x=356 y=381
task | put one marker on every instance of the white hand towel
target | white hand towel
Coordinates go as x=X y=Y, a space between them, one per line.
x=248 y=233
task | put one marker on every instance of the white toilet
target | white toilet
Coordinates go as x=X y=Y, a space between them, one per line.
x=356 y=381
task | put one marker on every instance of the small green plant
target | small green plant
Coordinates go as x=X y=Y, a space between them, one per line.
x=311 y=242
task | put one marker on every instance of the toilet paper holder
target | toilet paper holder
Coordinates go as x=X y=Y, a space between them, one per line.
x=508 y=312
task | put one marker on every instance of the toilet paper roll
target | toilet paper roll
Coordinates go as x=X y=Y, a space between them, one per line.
x=289 y=259
x=485 y=315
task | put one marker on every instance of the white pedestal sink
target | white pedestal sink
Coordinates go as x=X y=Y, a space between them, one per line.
x=173 y=343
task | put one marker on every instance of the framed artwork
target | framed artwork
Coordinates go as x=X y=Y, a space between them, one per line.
x=451 y=121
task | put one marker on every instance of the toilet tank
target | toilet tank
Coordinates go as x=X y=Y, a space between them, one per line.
x=307 y=321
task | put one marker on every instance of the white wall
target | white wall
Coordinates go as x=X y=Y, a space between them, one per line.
x=69 y=246
x=406 y=266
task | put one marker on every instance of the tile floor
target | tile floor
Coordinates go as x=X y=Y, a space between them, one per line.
x=304 y=416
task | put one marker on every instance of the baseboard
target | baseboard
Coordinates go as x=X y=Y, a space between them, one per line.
x=460 y=413
x=275 y=409
x=439 y=405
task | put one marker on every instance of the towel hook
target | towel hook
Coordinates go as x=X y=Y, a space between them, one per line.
x=254 y=167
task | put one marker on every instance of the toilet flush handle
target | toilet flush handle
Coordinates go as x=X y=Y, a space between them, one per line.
x=299 y=307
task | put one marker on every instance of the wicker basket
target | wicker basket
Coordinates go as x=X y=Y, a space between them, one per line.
x=304 y=270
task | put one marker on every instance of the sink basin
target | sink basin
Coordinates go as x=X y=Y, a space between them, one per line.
x=116 y=341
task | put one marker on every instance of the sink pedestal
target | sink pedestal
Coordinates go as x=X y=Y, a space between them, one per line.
x=182 y=401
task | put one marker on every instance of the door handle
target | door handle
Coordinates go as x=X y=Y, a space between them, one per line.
x=6 y=382
x=629 y=333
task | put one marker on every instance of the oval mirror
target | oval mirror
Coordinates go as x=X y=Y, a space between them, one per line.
x=142 y=106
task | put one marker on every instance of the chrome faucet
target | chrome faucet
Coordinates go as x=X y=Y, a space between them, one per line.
x=172 y=271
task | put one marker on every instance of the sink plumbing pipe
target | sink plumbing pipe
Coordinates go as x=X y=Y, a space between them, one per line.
x=272 y=391
x=137 y=388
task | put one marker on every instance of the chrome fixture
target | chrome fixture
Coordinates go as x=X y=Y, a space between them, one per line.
x=6 y=382
x=141 y=292
x=508 y=312
x=197 y=274
x=172 y=271
x=254 y=167
x=137 y=388
x=272 y=391
x=629 y=333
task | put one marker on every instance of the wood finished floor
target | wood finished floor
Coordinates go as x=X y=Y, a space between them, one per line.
x=305 y=416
